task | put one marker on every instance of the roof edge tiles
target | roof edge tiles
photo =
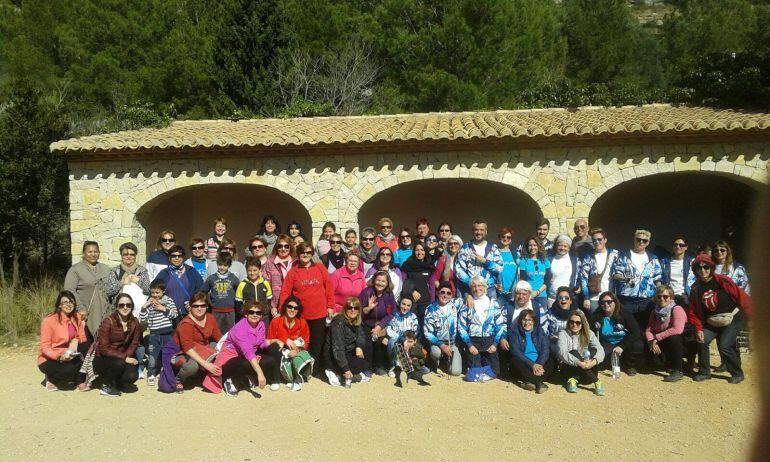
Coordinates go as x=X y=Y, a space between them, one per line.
x=525 y=126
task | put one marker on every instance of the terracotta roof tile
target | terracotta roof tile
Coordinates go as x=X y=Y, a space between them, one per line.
x=496 y=125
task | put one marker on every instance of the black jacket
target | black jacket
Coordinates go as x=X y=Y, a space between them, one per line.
x=343 y=338
x=628 y=321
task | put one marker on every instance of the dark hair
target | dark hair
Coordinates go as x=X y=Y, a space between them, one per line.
x=292 y=298
x=294 y=223
x=421 y=221
x=264 y=222
x=229 y=242
x=542 y=221
x=406 y=297
x=524 y=313
x=304 y=246
x=225 y=258
x=410 y=335
x=444 y=285
x=678 y=237
x=197 y=240
x=176 y=248
x=159 y=284
x=424 y=248
x=540 y=249
x=257 y=238
x=479 y=221
x=329 y=224
x=87 y=244
x=197 y=296
x=351 y=230
x=616 y=315
x=253 y=261
x=249 y=304
x=377 y=262
x=444 y=223
x=601 y=231
x=128 y=245
x=65 y=294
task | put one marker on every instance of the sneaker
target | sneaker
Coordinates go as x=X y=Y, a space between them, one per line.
x=735 y=379
x=49 y=386
x=425 y=370
x=380 y=371
x=572 y=385
x=599 y=388
x=529 y=386
x=701 y=377
x=141 y=373
x=179 y=389
x=109 y=391
x=366 y=376
x=151 y=380
x=674 y=376
x=334 y=380
x=275 y=386
x=719 y=369
x=541 y=389
x=229 y=388
x=392 y=373
x=631 y=372
x=296 y=386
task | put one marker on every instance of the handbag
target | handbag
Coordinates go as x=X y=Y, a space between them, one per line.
x=721 y=319
x=595 y=281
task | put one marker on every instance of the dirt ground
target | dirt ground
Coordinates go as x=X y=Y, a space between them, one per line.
x=640 y=418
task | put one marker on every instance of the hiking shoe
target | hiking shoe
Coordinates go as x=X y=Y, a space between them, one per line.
x=49 y=386
x=392 y=373
x=736 y=379
x=229 y=388
x=275 y=386
x=296 y=386
x=334 y=380
x=366 y=376
x=674 y=376
x=631 y=372
x=529 y=386
x=599 y=388
x=572 y=385
x=721 y=368
x=701 y=377
x=179 y=389
x=542 y=388
x=150 y=380
x=109 y=391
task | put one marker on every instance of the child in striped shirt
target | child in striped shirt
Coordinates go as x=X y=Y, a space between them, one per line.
x=159 y=313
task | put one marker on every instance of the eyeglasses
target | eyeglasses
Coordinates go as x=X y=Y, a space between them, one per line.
x=527 y=319
x=385 y=254
x=574 y=323
x=680 y=244
x=228 y=248
x=308 y=252
x=642 y=241
x=125 y=305
x=580 y=227
x=66 y=302
x=168 y=240
x=197 y=247
x=292 y=307
x=256 y=247
x=445 y=292
x=128 y=254
x=367 y=239
x=506 y=237
x=445 y=230
x=255 y=313
x=597 y=239
x=564 y=297
x=282 y=246
x=607 y=302
x=664 y=296
x=703 y=267
x=720 y=250
x=353 y=308
x=176 y=255
x=454 y=243
x=199 y=305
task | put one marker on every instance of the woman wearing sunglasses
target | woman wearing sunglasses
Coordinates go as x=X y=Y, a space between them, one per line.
x=292 y=335
x=334 y=259
x=618 y=333
x=181 y=280
x=664 y=332
x=404 y=250
x=309 y=282
x=722 y=254
x=554 y=321
x=718 y=309
x=118 y=337
x=535 y=268
x=246 y=358
x=386 y=238
x=580 y=354
x=159 y=258
x=637 y=272
x=278 y=264
x=344 y=347
x=445 y=268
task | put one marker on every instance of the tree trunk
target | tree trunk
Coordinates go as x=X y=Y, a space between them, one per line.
x=15 y=255
x=2 y=271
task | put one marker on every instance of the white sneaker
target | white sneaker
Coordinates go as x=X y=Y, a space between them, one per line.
x=365 y=378
x=229 y=388
x=392 y=373
x=296 y=386
x=275 y=386
x=150 y=380
x=334 y=380
x=141 y=374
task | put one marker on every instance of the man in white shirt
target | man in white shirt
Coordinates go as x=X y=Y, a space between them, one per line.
x=596 y=270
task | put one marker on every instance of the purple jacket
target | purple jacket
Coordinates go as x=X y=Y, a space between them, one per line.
x=382 y=312
x=246 y=340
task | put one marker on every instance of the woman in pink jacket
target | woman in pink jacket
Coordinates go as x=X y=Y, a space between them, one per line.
x=278 y=265
x=348 y=281
x=664 y=331
x=62 y=345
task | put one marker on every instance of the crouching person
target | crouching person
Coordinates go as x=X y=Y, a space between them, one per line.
x=580 y=354
x=409 y=358
x=531 y=361
x=116 y=343
x=440 y=329
x=344 y=347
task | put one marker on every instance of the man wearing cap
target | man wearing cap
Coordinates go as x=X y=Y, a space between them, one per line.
x=637 y=273
x=717 y=309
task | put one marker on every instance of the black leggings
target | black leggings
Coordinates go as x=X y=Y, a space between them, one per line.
x=115 y=371
x=583 y=376
x=524 y=372
x=376 y=352
x=632 y=356
x=355 y=364
x=62 y=374
x=240 y=368
x=672 y=350
x=317 y=329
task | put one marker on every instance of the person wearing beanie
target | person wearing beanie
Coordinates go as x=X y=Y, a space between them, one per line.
x=564 y=267
x=718 y=309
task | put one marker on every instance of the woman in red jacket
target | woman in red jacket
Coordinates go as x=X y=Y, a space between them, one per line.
x=62 y=344
x=309 y=282
x=292 y=335
x=718 y=309
x=116 y=342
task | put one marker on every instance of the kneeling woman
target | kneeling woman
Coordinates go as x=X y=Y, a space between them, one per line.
x=618 y=333
x=62 y=344
x=530 y=353
x=481 y=326
x=118 y=337
x=292 y=335
x=190 y=348
x=580 y=354
x=246 y=358
x=344 y=347
x=664 y=331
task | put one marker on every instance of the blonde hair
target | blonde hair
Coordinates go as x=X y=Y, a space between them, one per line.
x=643 y=233
x=585 y=331
x=352 y=302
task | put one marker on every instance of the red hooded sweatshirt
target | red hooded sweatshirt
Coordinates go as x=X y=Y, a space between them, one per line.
x=696 y=311
x=313 y=288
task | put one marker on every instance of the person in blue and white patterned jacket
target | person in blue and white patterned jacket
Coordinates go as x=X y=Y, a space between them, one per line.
x=478 y=258
x=722 y=254
x=440 y=328
x=637 y=273
x=481 y=325
x=403 y=320
x=596 y=265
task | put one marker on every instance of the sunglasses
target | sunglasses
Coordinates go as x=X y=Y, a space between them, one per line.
x=367 y=239
x=292 y=307
x=677 y=244
x=125 y=305
x=128 y=254
x=199 y=305
x=353 y=308
x=197 y=247
x=386 y=226
x=703 y=267
x=445 y=292
x=335 y=242
x=574 y=323
x=176 y=255
x=720 y=250
x=255 y=313
x=607 y=302
x=643 y=241
x=282 y=246
x=228 y=248
x=405 y=236
x=598 y=239
x=255 y=247
x=431 y=239
x=445 y=230
x=507 y=238
x=664 y=296
x=168 y=240
x=563 y=297
x=580 y=227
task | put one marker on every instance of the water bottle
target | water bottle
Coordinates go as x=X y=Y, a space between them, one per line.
x=615 y=365
x=348 y=383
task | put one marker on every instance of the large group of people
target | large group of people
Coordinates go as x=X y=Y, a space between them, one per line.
x=394 y=303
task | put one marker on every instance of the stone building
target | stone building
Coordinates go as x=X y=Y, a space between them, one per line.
x=668 y=169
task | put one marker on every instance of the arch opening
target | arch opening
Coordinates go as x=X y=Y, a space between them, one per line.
x=190 y=212
x=458 y=201
x=703 y=207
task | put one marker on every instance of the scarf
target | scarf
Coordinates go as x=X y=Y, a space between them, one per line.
x=413 y=265
x=178 y=270
x=560 y=314
x=129 y=269
x=337 y=260
x=270 y=238
x=368 y=257
x=199 y=260
x=387 y=238
x=663 y=312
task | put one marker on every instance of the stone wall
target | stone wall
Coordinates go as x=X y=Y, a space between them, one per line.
x=108 y=198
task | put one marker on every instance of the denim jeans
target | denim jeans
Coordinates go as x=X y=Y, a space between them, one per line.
x=455 y=366
x=726 y=337
x=140 y=354
x=156 y=342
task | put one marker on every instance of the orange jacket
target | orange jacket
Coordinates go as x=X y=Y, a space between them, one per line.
x=54 y=336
